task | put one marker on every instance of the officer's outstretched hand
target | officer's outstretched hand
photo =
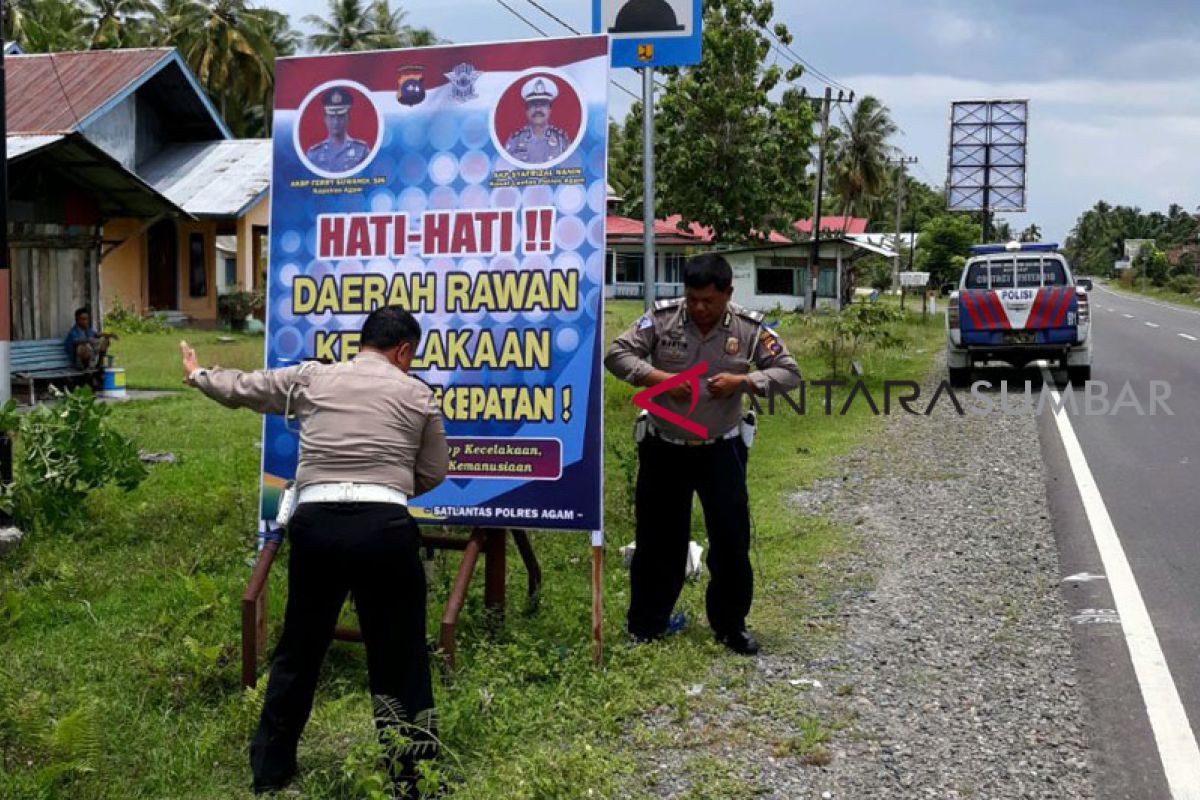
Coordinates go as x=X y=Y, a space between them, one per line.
x=190 y=364
x=725 y=384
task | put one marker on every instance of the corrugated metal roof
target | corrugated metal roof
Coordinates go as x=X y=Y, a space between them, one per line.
x=23 y=145
x=53 y=92
x=73 y=159
x=220 y=179
x=835 y=224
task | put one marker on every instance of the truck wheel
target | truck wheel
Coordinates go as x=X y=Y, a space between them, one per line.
x=1079 y=375
x=960 y=377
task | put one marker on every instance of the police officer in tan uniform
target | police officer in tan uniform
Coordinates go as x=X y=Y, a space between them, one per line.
x=371 y=437
x=674 y=463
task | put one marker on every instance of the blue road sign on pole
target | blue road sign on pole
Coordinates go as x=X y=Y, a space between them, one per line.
x=650 y=33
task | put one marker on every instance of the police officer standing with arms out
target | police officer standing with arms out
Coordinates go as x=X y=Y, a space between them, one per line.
x=338 y=151
x=703 y=326
x=371 y=437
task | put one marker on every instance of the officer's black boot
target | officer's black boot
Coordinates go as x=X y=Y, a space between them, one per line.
x=740 y=642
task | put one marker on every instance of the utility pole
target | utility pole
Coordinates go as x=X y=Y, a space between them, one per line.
x=5 y=277
x=649 y=268
x=810 y=302
x=900 y=163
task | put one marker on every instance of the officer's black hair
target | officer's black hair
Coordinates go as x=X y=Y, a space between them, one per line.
x=389 y=327
x=82 y=310
x=708 y=269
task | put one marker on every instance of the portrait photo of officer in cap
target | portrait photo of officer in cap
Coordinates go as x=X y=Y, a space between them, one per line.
x=338 y=152
x=538 y=142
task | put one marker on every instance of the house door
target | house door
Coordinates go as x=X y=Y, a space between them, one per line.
x=162 y=264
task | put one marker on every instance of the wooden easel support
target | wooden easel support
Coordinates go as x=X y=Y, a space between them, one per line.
x=492 y=543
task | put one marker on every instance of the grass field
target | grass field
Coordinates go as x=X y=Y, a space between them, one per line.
x=120 y=669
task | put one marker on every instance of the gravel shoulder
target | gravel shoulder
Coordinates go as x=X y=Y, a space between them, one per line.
x=943 y=667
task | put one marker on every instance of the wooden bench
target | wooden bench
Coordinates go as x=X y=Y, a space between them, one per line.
x=42 y=360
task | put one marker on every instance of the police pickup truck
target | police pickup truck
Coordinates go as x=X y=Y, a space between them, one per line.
x=1018 y=303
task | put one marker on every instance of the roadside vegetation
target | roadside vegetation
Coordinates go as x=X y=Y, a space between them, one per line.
x=121 y=633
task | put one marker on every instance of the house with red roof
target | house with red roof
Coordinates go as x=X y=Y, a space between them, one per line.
x=122 y=178
x=768 y=274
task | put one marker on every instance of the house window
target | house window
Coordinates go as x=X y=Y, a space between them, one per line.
x=629 y=268
x=197 y=274
x=673 y=267
x=779 y=275
x=827 y=282
x=230 y=272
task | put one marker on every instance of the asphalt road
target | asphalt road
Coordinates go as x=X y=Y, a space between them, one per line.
x=1147 y=471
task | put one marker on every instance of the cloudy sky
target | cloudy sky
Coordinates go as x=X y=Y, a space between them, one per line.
x=1114 y=85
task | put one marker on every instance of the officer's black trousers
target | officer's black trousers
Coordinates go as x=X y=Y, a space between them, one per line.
x=371 y=550
x=668 y=475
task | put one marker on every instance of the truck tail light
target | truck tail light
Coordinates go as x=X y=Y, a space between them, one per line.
x=1085 y=311
x=952 y=313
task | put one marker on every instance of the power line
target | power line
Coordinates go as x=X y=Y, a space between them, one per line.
x=517 y=14
x=578 y=32
x=524 y=19
x=797 y=58
x=554 y=17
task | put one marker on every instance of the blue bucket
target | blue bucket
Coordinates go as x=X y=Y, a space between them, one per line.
x=114 y=382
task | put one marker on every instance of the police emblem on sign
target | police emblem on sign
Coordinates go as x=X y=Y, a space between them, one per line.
x=411 y=85
x=462 y=82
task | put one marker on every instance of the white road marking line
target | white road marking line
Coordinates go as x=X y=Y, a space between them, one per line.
x=1110 y=309
x=1173 y=733
x=1127 y=316
x=1137 y=299
x=1189 y=337
x=1151 y=325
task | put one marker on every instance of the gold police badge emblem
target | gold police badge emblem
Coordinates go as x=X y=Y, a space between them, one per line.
x=731 y=345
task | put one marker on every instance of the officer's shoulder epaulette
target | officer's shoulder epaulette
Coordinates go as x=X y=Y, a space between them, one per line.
x=667 y=305
x=749 y=313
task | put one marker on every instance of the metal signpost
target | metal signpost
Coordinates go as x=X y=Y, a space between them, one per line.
x=986 y=170
x=647 y=34
x=911 y=280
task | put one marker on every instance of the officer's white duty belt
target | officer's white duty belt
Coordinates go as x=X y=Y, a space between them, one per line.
x=654 y=431
x=351 y=493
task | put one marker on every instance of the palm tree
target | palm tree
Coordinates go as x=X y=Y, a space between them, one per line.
x=227 y=44
x=119 y=23
x=350 y=27
x=46 y=26
x=861 y=153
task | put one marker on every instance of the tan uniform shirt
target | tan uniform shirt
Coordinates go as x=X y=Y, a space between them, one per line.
x=361 y=421
x=667 y=339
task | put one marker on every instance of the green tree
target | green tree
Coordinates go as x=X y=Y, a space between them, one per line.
x=729 y=155
x=859 y=169
x=46 y=26
x=1031 y=234
x=1151 y=263
x=228 y=45
x=944 y=242
x=350 y=27
x=922 y=203
x=119 y=23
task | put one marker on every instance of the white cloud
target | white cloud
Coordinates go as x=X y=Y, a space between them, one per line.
x=1130 y=142
x=951 y=29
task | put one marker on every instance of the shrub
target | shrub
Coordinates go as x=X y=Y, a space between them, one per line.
x=234 y=307
x=1184 y=284
x=858 y=325
x=67 y=451
x=126 y=319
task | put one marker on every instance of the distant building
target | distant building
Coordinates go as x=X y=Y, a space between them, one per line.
x=766 y=275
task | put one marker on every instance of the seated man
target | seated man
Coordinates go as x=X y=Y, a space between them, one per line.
x=85 y=347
